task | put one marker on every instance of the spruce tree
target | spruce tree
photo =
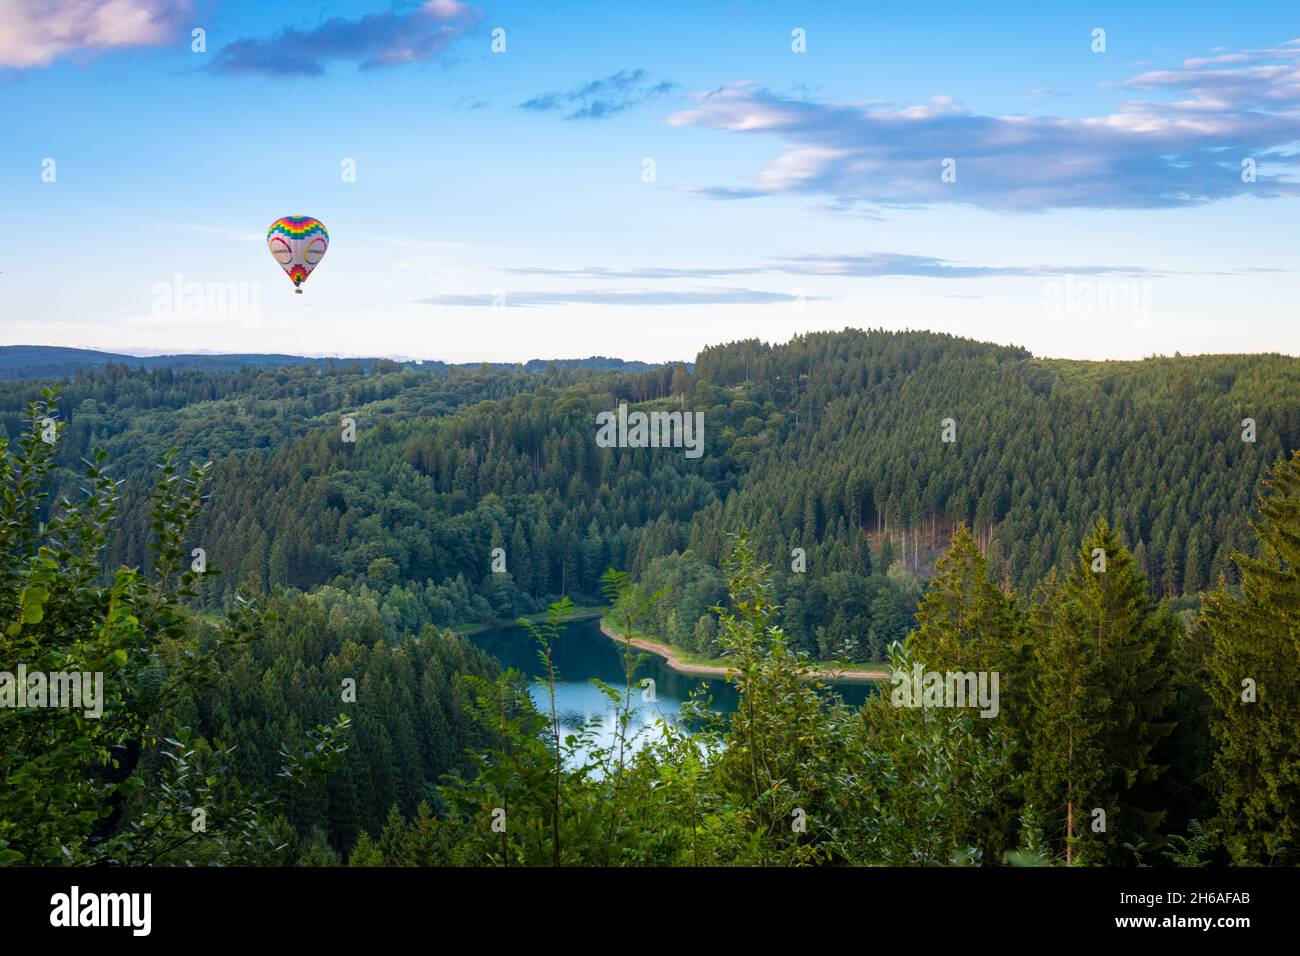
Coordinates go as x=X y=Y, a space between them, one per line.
x=1102 y=699
x=965 y=621
x=1066 y=758
x=1254 y=667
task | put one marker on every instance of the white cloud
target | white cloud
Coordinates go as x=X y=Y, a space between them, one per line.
x=33 y=33
x=1183 y=149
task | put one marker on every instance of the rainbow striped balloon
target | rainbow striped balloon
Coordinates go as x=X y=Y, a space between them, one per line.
x=298 y=244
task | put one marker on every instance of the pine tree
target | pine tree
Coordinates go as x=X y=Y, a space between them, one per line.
x=1101 y=702
x=521 y=559
x=1140 y=558
x=1066 y=761
x=1192 y=567
x=965 y=621
x=1254 y=666
x=886 y=558
x=1173 y=555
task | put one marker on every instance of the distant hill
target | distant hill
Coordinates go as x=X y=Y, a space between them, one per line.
x=832 y=443
x=598 y=362
x=49 y=361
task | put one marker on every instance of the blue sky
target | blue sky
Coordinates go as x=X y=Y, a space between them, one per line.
x=502 y=207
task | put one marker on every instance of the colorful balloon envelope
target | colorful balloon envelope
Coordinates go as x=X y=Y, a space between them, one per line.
x=298 y=244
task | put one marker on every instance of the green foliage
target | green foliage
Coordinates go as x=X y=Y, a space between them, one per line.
x=409 y=721
x=828 y=443
x=1115 y=693
x=75 y=785
x=930 y=785
x=1101 y=697
x=965 y=621
x=1254 y=642
x=794 y=777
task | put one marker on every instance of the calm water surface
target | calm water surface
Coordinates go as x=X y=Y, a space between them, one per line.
x=584 y=653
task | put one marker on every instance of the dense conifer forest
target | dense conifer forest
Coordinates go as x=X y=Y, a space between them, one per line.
x=908 y=498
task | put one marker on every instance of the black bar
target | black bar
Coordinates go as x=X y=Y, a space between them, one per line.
x=944 y=907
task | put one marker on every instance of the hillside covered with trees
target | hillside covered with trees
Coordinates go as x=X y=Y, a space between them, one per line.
x=831 y=443
x=862 y=496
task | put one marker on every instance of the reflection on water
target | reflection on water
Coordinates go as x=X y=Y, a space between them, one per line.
x=584 y=653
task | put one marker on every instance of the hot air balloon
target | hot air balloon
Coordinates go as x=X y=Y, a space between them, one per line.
x=298 y=244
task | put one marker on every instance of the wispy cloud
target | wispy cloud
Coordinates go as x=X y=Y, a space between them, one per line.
x=723 y=192
x=1042 y=92
x=876 y=264
x=651 y=272
x=622 y=297
x=375 y=40
x=1183 y=149
x=603 y=98
x=864 y=265
x=34 y=33
x=1229 y=82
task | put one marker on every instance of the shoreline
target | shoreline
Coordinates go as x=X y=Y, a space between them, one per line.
x=668 y=653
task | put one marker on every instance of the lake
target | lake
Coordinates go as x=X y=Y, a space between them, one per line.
x=583 y=653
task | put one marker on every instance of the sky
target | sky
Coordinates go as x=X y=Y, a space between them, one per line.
x=504 y=181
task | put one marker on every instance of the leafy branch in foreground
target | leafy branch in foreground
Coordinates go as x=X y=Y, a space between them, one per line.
x=76 y=789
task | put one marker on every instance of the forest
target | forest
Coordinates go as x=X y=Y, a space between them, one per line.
x=863 y=496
